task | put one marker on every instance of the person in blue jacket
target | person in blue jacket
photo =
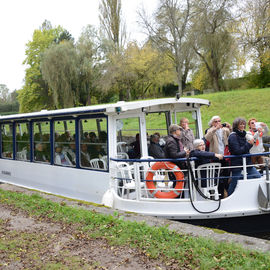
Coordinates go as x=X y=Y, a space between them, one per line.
x=239 y=145
x=203 y=157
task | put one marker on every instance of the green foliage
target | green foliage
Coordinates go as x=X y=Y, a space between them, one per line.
x=156 y=242
x=61 y=74
x=35 y=94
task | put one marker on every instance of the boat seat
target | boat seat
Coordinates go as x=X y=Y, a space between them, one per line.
x=126 y=179
x=98 y=163
x=122 y=147
x=122 y=155
x=208 y=179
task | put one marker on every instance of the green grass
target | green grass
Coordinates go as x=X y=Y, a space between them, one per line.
x=155 y=242
x=239 y=103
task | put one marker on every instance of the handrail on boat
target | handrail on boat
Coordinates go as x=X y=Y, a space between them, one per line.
x=139 y=174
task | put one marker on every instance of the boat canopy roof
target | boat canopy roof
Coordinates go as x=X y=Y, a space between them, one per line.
x=153 y=105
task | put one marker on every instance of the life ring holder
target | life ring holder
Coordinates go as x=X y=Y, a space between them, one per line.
x=163 y=194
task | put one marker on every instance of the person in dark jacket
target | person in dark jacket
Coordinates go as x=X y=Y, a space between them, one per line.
x=238 y=145
x=155 y=150
x=173 y=147
x=203 y=157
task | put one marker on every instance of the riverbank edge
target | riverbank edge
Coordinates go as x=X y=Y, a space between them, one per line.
x=250 y=243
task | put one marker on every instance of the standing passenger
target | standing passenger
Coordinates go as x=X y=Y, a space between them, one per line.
x=187 y=136
x=238 y=145
x=217 y=136
x=173 y=147
x=257 y=130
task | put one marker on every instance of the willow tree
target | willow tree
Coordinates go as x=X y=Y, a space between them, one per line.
x=59 y=68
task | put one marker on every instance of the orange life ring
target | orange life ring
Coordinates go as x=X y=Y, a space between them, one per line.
x=163 y=194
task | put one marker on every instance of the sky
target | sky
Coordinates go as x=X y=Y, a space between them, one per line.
x=19 y=19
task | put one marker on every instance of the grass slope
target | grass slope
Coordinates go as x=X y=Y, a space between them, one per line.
x=245 y=103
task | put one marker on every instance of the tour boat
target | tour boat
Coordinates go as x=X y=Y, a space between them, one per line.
x=86 y=153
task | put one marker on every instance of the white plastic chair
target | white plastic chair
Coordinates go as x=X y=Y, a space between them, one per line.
x=96 y=162
x=105 y=159
x=22 y=155
x=122 y=155
x=125 y=176
x=211 y=179
x=122 y=147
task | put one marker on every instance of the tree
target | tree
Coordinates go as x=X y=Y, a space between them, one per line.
x=254 y=30
x=141 y=72
x=4 y=95
x=150 y=68
x=88 y=50
x=169 y=33
x=59 y=68
x=112 y=24
x=35 y=94
x=213 y=42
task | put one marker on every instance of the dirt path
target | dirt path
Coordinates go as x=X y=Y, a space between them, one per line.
x=28 y=243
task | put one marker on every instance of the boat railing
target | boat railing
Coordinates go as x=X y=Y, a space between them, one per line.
x=155 y=179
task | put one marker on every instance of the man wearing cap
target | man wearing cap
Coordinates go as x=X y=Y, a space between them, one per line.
x=173 y=147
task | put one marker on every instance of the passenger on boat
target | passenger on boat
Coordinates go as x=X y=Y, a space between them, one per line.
x=203 y=157
x=92 y=146
x=257 y=130
x=135 y=151
x=71 y=152
x=155 y=150
x=40 y=154
x=85 y=157
x=173 y=147
x=217 y=137
x=61 y=158
x=187 y=136
x=238 y=145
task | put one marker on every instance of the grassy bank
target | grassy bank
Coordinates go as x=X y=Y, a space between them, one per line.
x=245 y=103
x=185 y=251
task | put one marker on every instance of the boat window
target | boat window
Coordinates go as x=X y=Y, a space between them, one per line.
x=93 y=143
x=128 y=138
x=64 y=143
x=157 y=123
x=22 y=141
x=7 y=140
x=42 y=145
x=192 y=119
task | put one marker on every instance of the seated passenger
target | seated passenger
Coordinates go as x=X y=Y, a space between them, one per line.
x=155 y=150
x=61 y=158
x=238 y=145
x=135 y=151
x=71 y=152
x=203 y=156
x=40 y=154
x=85 y=157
